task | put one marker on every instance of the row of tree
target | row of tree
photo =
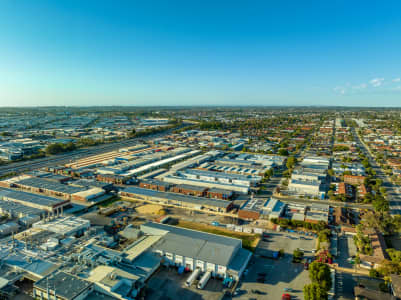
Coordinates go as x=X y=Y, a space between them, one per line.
x=295 y=223
x=319 y=274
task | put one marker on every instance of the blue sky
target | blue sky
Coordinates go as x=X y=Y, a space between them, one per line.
x=200 y=52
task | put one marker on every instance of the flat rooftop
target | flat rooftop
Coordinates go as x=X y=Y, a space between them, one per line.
x=220 y=175
x=255 y=204
x=177 y=197
x=50 y=185
x=207 y=247
x=63 y=225
x=17 y=208
x=67 y=286
x=8 y=194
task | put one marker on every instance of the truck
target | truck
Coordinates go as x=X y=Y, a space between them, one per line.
x=192 y=277
x=204 y=280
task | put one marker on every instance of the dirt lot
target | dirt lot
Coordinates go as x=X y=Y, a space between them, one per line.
x=149 y=209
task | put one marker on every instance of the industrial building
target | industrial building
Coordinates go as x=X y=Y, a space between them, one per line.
x=219 y=194
x=176 y=179
x=191 y=190
x=51 y=188
x=18 y=210
x=236 y=179
x=86 y=183
x=274 y=208
x=256 y=208
x=114 y=179
x=155 y=185
x=195 y=161
x=8 y=228
x=62 y=286
x=160 y=163
x=221 y=256
x=236 y=170
x=304 y=187
x=46 y=203
x=316 y=162
x=309 y=174
x=64 y=225
x=189 y=202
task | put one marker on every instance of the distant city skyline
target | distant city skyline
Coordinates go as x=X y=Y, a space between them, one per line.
x=224 y=53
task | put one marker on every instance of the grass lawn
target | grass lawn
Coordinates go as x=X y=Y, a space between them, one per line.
x=249 y=241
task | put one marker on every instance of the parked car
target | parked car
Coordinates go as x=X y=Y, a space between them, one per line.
x=286 y=297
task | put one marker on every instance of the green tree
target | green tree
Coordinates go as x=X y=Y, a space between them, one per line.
x=297 y=255
x=291 y=161
x=320 y=273
x=395 y=255
x=54 y=148
x=373 y=273
x=380 y=204
x=314 y=291
x=324 y=235
x=283 y=152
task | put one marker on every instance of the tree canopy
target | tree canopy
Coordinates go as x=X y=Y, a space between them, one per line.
x=314 y=291
x=320 y=273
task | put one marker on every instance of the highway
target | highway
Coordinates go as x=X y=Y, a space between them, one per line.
x=392 y=190
x=64 y=158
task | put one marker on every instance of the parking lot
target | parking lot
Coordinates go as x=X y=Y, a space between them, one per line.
x=167 y=284
x=280 y=274
x=286 y=241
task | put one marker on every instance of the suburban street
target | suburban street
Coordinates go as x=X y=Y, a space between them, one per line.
x=393 y=190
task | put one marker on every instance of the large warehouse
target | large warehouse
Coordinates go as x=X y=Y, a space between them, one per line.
x=41 y=202
x=177 y=179
x=52 y=188
x=177 y=199
x=220 y=255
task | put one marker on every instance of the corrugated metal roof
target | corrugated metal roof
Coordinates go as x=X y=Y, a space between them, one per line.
x=50 y=185
x=8 y=194
x=178 y=197
x=207 y=247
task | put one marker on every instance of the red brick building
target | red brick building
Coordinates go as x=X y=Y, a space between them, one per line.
x=190 y=190
x=219 y=194
x=354 y=179
x=155 y=185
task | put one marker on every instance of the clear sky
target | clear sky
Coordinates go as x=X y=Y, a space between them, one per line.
x=200 y=52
